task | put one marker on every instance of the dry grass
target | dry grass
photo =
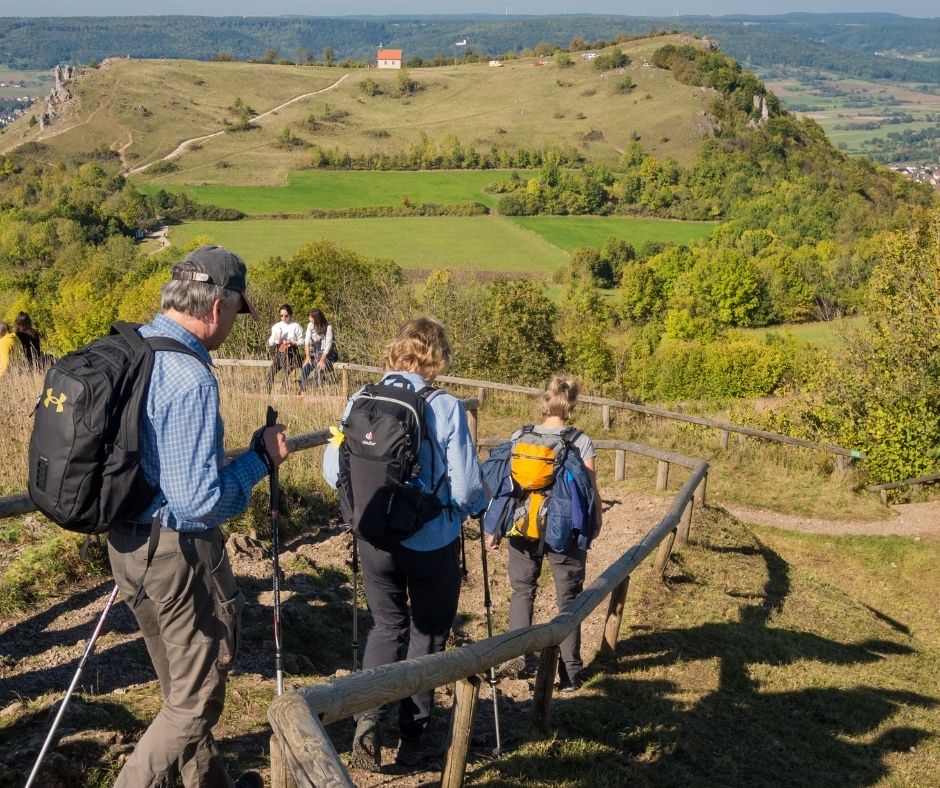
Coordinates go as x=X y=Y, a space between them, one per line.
x=516 y=105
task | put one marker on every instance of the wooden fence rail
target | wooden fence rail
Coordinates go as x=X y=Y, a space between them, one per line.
x=930 y=478
x=605 y=404
x=297 y=718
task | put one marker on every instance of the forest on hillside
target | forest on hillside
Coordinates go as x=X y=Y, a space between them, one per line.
x=843 y=43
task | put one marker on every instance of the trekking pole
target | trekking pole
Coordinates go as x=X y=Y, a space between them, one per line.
x=275 y=549
x=90 y=646
x=463 y=553
x=355 y=591
x=488 y=605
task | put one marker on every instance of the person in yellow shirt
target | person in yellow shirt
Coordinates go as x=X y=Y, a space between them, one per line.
x=7 y=344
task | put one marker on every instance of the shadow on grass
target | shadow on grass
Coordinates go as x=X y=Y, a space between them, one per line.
x=625 y=729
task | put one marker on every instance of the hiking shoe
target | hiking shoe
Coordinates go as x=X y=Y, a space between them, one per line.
x=569 y=686
x=415 y=749
x=367 y=744
x=519 y=668
x=249 y=780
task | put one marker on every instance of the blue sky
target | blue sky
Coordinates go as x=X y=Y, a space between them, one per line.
x=921 y=8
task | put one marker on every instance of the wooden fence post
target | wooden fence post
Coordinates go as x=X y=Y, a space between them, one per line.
x=345 y=383
x=280 y=771
x=662 y=475
x=614 y=616
x=682 y=534
x=605 y=416
x=472 y=422
x=544 y=684
x=699 y=495
x=724 y=440
x=662 y=556
x=458 y=738
x=620 y=464
x=480 y=391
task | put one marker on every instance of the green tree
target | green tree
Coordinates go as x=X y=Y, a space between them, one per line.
x=882 y=393
x=519 y=344
x=585 y=320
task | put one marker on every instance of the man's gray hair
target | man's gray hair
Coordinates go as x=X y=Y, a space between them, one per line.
x=194 y=298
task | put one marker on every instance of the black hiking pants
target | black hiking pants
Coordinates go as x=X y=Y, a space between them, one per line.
x=412 y=596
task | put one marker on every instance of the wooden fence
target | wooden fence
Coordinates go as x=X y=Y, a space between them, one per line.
x=846 y=456
x=930 y=478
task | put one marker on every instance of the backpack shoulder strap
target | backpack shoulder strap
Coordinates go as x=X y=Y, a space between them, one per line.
x=128 y=332
x=427 y=393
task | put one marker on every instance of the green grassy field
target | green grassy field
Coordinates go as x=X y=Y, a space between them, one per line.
x=828 y=333
x=479 y=242
x=570 y=232
x=536 y=245
x=330 y=189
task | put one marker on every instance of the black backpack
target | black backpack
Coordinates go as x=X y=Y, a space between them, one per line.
x=380 y=494
x=84 y=460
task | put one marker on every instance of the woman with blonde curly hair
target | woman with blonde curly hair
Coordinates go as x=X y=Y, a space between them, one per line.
x=412 y=587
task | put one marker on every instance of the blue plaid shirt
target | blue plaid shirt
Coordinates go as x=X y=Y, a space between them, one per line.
x=454 y=455
x=182 y=441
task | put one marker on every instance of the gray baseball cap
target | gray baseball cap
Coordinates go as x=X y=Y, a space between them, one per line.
x=218 y=266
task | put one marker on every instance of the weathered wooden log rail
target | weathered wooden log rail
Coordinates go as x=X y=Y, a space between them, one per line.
x=930 y=478
x=606 y=405
x=302 y=755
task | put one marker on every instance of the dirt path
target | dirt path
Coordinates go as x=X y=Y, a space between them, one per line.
x=919 y=520
x=39 y=653
x=186 y=143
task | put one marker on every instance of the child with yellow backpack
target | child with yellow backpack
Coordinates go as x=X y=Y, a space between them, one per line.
x=547 y=504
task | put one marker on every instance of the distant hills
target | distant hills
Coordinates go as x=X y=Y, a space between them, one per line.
x=872 y=46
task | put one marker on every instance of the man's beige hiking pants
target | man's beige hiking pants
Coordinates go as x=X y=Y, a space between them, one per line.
x=189 y=615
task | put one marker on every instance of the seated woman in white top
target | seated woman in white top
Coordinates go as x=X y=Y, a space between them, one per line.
x=286 y=338
x=318 y=347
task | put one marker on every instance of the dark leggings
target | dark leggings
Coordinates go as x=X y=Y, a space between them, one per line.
x=412 y=596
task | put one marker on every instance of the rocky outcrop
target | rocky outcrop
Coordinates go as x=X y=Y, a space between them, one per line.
x=59 y=95
x=760 y=106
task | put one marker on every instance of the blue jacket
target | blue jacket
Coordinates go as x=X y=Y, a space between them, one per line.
x=571 y=499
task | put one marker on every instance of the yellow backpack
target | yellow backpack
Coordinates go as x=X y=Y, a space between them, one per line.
x=534 y=464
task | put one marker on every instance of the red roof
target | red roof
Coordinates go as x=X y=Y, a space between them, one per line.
x=389 y=54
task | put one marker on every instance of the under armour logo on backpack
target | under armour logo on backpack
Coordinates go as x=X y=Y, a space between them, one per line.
x=59 y=401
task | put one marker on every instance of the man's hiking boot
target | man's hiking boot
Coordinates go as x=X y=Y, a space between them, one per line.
x=367 y=744
x=519 y=668
x=414 y=750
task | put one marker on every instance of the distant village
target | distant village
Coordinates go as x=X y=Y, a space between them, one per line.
x=13 y=107
x=923 y=173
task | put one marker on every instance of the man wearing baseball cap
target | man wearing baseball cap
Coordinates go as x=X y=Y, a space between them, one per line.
x=188 y=604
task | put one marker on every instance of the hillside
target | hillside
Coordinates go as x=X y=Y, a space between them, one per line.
x=148 y=108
